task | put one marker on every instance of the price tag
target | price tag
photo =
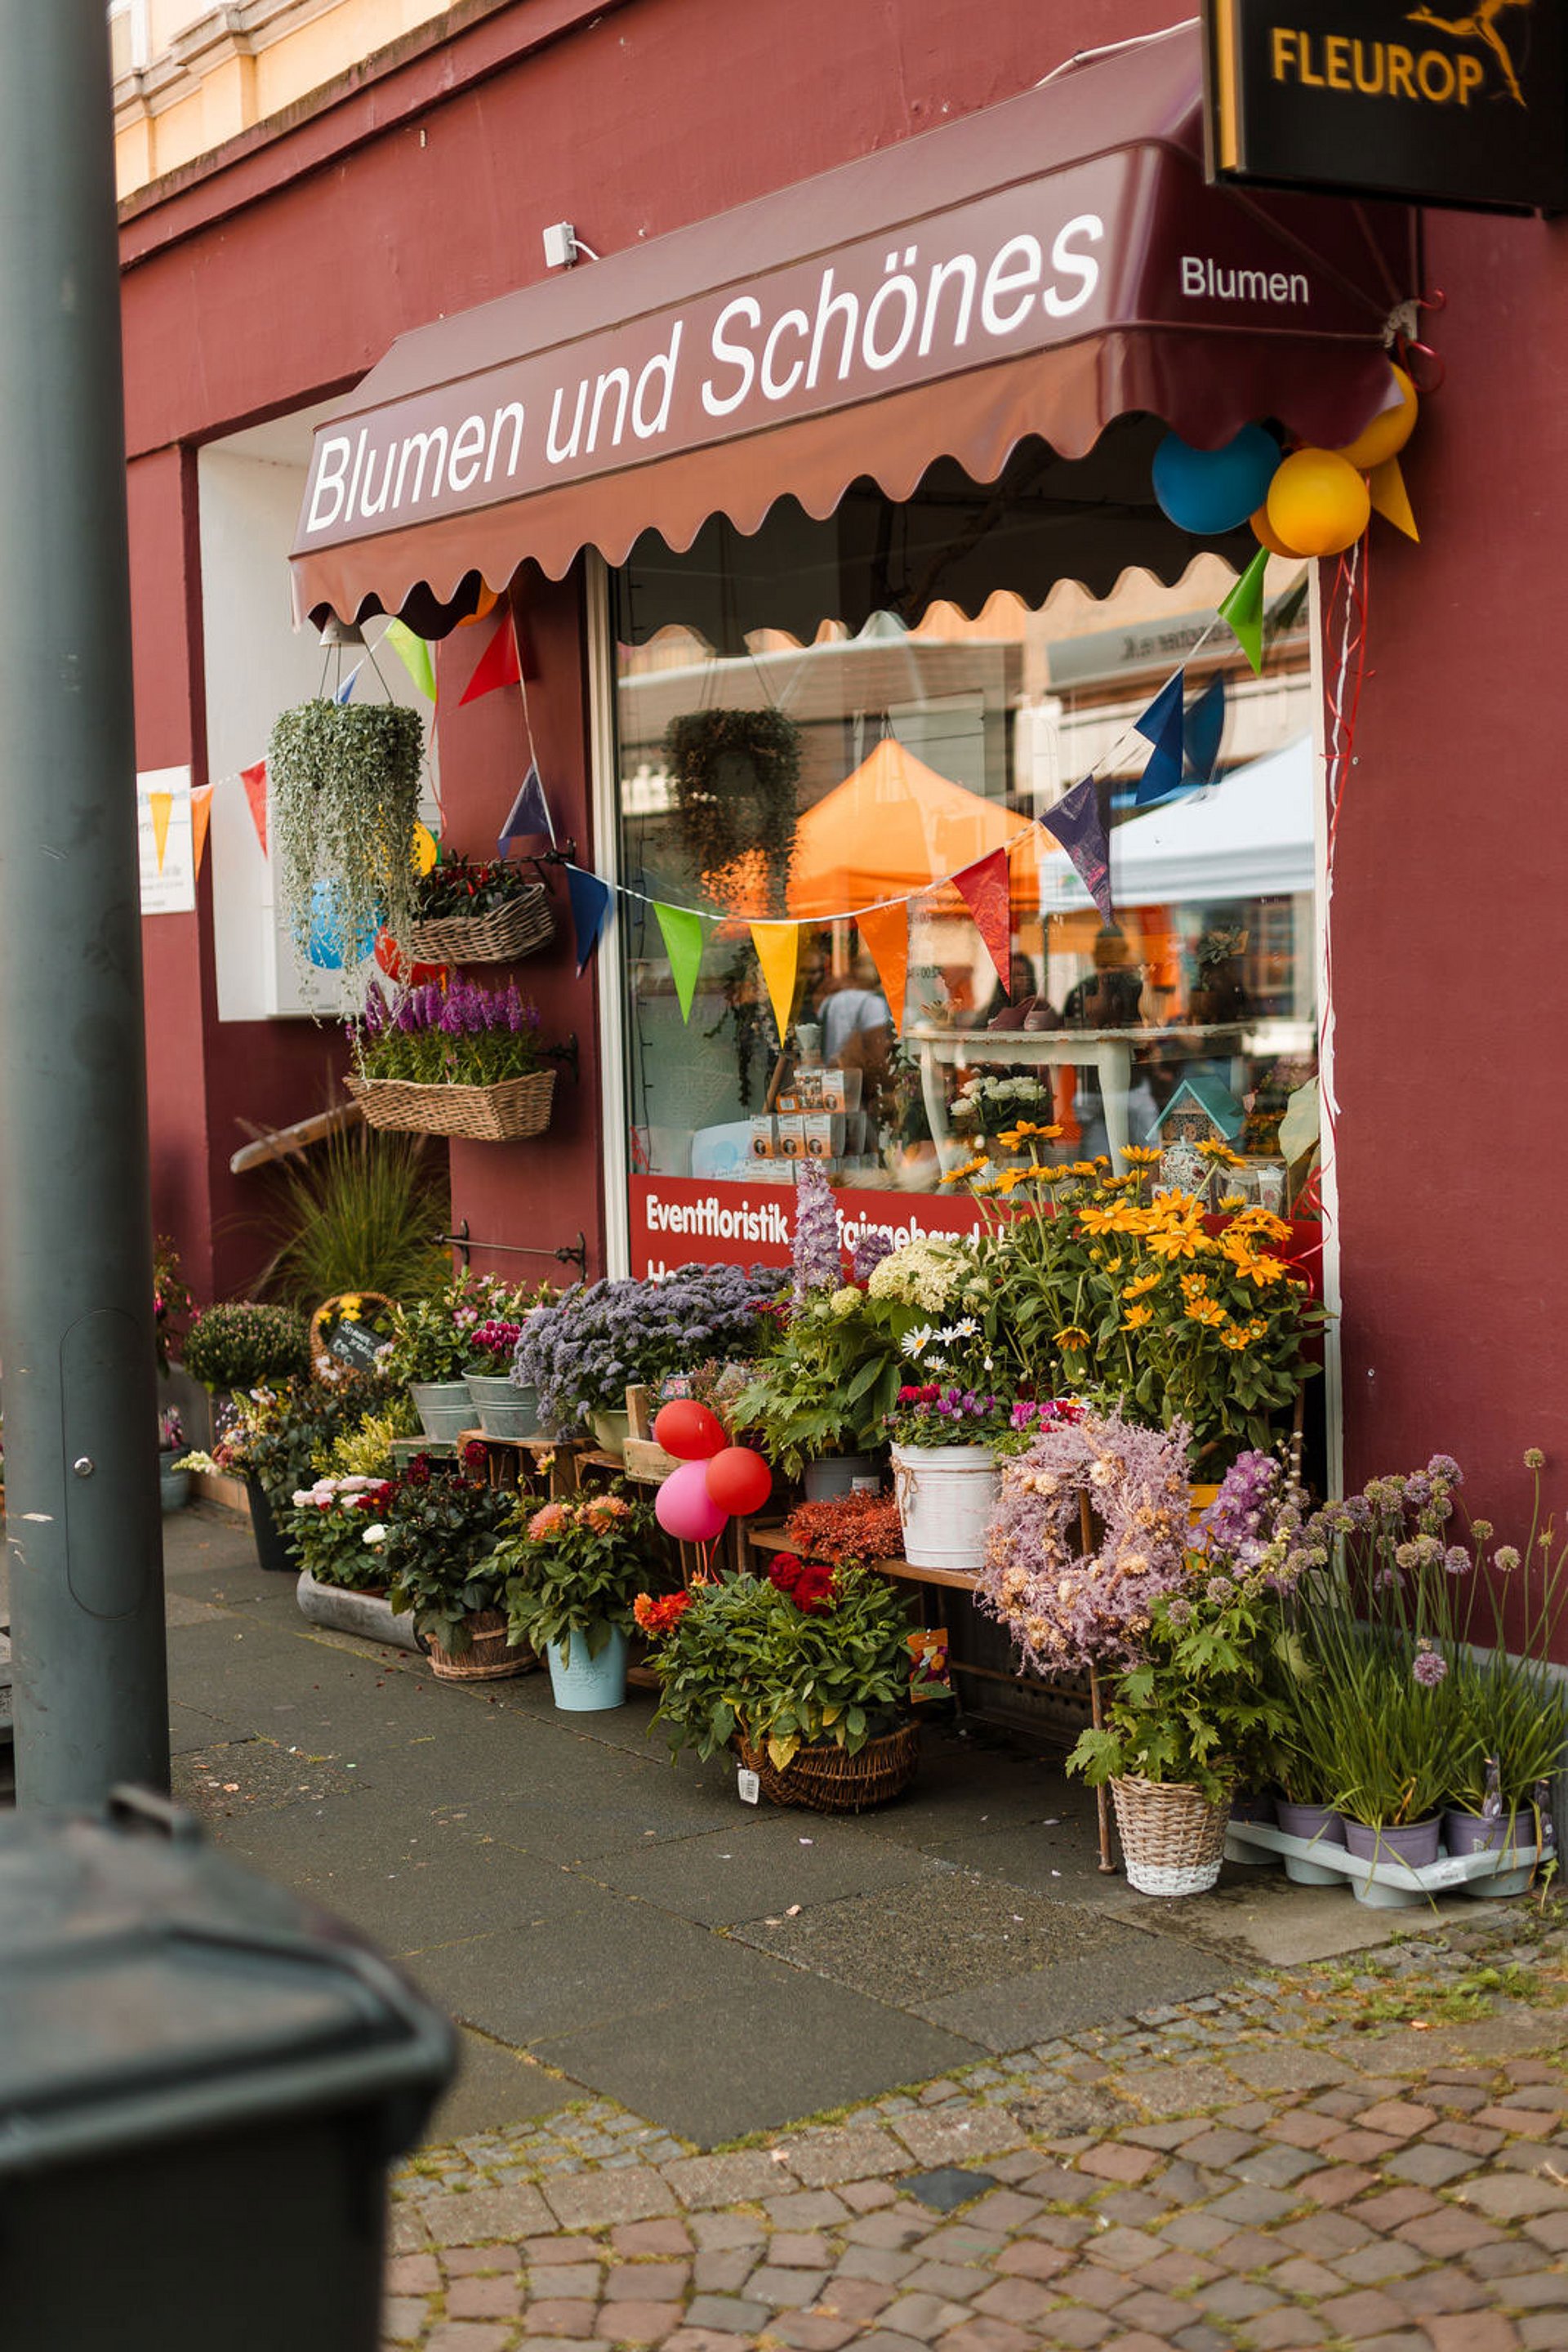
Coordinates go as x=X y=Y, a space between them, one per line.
x=748 y=1785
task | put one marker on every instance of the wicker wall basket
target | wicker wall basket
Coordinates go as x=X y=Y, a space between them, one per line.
x=1172 y=1839
x=499 y=1113
x=830 y=1780
x=488 y=1658
x=507 y=934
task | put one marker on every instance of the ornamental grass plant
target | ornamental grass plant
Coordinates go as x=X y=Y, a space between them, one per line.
x=361 y=1211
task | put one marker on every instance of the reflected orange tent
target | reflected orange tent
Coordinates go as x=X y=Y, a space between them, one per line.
x=896 y=826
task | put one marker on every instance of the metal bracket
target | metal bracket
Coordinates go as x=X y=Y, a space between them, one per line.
x=567 y=1254
x=566 y=1050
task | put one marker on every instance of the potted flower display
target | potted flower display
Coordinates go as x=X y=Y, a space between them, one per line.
x=582 y=1353
x=861 y=1527
x=174 y=1483
x=244 y=1344
x=460 y=1060
x=571 y=1576
x=506 y=1407
x=428 y=1355
x=342 y=1576
x=804 y=1673
x=437 y=1542
x=273 y=1439
x=947 y=1441
x=344 y=794
x=469 y=911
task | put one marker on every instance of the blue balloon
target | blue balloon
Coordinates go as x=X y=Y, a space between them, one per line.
x=323 y=945
x=1214 y=490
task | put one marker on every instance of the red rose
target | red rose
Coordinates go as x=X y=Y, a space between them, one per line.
x=786 y=1571
x=475 y=1454
x=813 y=1590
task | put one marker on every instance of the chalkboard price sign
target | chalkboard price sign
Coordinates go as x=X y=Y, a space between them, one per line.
x=347 y=1333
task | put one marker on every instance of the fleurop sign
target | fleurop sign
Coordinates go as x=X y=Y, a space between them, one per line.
x=1448 y=105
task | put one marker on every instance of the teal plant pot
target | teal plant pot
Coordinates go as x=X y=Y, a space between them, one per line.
x=611 y=1431
x=589 y=1686
x=173 y=1485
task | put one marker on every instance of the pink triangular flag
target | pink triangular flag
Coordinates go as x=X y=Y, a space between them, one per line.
x=984 y=887
x=255 y=783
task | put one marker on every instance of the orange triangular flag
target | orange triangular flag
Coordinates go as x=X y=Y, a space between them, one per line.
x=255 y=783
x=984 y=887
x=778 y=952
x=1390 y=499
x=161 y=808
x=201 y=810
x=483 y=609
x=885 y=936
x=496 y=665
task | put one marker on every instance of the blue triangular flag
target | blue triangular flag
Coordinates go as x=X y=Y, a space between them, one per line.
x=590 y=909
x=529 y=814
x=1161 y=725
x=1076 y=822
x=347 y=687
x=1204 y=724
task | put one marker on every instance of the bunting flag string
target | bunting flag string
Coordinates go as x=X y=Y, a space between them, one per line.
x=1242 y=611
x=685 y=937
x=201 y=814
x=345 y=691
x=1390 y=499
x=529 y=816
x=986 y=893
x=497 y=666
x=1076 y=822
x=885 y=936
x=590 y=911
x=160 y=808
x=254 y=781
x=416 y=655
x=1164 y=725
x=777 y=947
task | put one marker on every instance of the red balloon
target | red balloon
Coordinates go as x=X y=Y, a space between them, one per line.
x=739 y=1481
x=688 y=1430
x=399 y=968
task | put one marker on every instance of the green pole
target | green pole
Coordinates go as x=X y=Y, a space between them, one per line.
x=83 y=1525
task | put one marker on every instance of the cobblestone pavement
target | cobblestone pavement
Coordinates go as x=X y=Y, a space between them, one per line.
x=1373 y=2153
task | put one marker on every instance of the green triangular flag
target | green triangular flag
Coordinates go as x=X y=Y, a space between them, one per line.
x=1243 y=609
x=414 y=653
x=685 y=939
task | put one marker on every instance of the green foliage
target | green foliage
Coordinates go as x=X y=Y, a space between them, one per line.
x=744 y=1658
x=360 y=1211
x=291 y=1437
x=171 y=1301
x=365 y=1450
x=1196 y=1708
x=826 y=1386
x=735 y=773
x=327 y=1525
x=246 y=1344
x=574 y=1571
x=343 y=783
x=444 y=1521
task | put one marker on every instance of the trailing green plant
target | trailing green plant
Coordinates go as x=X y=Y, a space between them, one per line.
x=360 y=1211
x=343 y=788
x=574 y=1571
x=805 y=1657
x=439 y=1530
x=246 y=1343
x=735 y=773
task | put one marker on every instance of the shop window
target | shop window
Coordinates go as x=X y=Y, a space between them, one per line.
x=833 y=715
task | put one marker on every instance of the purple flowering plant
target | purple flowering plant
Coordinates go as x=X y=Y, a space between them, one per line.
x=933 y=1414
x=598 y=1339
x=464 y=1034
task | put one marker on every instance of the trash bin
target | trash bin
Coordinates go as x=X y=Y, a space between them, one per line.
x=202 y=2081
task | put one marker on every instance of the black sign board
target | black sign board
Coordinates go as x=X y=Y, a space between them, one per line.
x=1455 y=104
x=351 y=1331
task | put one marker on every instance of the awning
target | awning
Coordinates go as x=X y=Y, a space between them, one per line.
x=1039 y=267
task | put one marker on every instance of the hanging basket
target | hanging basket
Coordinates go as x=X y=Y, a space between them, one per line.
x=499 y=1113
x=505 y=934
x=488 y=1658
x=1172 y=1839
x=828 y=1780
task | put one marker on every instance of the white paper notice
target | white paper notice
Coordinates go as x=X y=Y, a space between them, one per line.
x=163 y=832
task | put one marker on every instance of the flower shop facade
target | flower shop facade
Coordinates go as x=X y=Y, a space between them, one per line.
x=841 y=569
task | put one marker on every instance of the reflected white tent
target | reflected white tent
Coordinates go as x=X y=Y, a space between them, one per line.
x=1249 y=836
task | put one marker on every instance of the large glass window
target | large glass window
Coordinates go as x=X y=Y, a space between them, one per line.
x=832 y=715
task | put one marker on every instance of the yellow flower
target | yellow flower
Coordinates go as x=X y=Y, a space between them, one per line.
x=1011 y=1177
x=1145 y=1282
x=1135 y=1317
x=1138 y=1155
x=1099 y=1221
x=970 y=1168
x=349 y=1307
x=1175 y=1241
x=1072 y=1340
x=1206 y=1311
x=1220 y=1152
x=1266 y=1270
x=1230 y=1203
x=1235 y=1340
x=1195 y=1286
x=1264 y=1222
x=1082 y=1168
x=1015 y=1135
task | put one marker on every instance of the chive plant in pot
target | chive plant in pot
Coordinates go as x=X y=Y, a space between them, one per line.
x=571 y=1578
x=439 y=1543
x=344 y=794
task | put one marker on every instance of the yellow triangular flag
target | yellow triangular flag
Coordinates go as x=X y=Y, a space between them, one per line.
x=1390 y=499
x=778 y=950
x=162 y=807
x=201 y=810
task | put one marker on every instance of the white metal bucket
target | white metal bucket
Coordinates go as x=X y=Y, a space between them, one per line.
x=946 y=1495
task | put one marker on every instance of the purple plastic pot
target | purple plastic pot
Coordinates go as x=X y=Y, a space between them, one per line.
x=1414 y=1843
x=1320 y=1822
x=1474 y=1833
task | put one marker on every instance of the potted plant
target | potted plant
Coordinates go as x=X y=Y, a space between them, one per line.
x=467 y=911
x=343 y=1581
x=427 y=1355
x=734 y=774
x=947 y=1443
x=506 y=1406
x=806 y=1673
x=344 y=794
x=273 y=1439
x=460 y=1060
x=437 y=1541
x=582 y=1353
x=244 y=1344
x=174 y=1483
x=571 y=1576
x=860 y=1528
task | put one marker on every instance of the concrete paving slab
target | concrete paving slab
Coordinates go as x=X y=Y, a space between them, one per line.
x=760 y=1864
x=412 y=1901
x=496 y=2088
x=1131 y=1971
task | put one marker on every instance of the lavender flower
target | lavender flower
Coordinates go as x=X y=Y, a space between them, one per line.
x=818 y=1263
x=869 y=1251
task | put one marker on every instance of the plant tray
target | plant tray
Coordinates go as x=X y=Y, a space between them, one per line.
x=1389 y=1885
x=499 y=1113
x=505 y=934
x=367 y=1615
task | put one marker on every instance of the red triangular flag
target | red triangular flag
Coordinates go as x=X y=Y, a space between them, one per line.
x=885 y=936
x=255 y=783
x=984 y=887
x=496 y=665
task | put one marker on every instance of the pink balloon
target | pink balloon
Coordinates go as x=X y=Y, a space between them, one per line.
x=685 y=1509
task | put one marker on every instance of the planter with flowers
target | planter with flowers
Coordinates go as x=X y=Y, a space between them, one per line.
x=437 y=1540
x=342 y=1577
x=806 y=1674
x=173 y=1483
x=571 y=1578
x=506 y=1406
x=461 y=1060
x=471 y=912
x=582 y=1353
x=274 y=1439
x=429 y=1353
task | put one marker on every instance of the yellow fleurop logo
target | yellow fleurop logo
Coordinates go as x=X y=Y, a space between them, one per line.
x=1480 y=26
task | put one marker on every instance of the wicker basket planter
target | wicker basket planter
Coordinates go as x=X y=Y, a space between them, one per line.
x=505 y=934
x=498 y=1114
x=1172 y=1839
x=488 y=1658
x=828 y=1780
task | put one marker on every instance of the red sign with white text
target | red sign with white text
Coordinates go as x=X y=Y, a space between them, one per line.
x=677 y=1220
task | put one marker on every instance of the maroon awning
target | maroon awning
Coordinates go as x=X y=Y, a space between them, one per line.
x=1039 y=267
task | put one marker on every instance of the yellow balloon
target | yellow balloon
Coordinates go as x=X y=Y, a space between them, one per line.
x=1387 y=434
x=424 y=854
x=1318 y=503
x=1269 y=539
